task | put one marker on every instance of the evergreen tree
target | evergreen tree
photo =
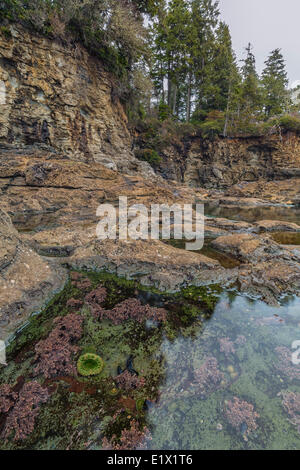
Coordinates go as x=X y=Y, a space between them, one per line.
x=159 y=63
x=170 y=53
x=233 y=108
x=150 y=7
x=205 y=14
x=295 y=99
x=223 y=70
x=178 y=23
x=184 y=47
x=251 y=94
x=275 y=82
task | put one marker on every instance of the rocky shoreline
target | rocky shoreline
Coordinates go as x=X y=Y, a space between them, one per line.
x=48 y=225
x=65 y=148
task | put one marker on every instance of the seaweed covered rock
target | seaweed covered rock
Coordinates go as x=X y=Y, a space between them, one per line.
x=95 y=299
x=284 y=364
x=74 y=304
x=208 y=377
x=128 y=381
x=226 y=346
x=291 y=404
x=128 y=309
x=21 y=418
x=131 y=439
x=26 y=279
x=241 y=415
x=7 y=398
x=81 y=282
x=54 y=354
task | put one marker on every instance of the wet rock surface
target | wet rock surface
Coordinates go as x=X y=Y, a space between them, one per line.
x=269 y=270
x=65 y=149
x=284 y=191
x=185 y=360
x=153 y=263
x=277 y=226
x=26 y=279
x=53 y=201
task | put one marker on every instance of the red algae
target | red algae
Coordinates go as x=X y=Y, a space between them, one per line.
x=21 y=418
x=130 y=439
x=54 y=354
x=239 y=412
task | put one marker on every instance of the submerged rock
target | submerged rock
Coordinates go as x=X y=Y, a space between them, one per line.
x=277 y=226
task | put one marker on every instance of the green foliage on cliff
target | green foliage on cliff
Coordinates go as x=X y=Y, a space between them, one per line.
x=178 y=66
x=11 y=10
x=112 y=30
x=148 y=155
x=290 y=123
x=213 y=125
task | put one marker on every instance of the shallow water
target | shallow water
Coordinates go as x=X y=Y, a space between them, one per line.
x=185 y=419
x=228 y=262
x=253 y=214
x=287 y=238
x=32 y=222
x=216 y=347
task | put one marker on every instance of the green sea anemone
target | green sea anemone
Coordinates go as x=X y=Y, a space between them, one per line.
x=140 y=404
x=90 y=364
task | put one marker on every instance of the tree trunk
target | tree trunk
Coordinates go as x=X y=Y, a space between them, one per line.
x=169 y=92
x=227 y=113
x=174 y=99
x=169 y=85
x=188 y=102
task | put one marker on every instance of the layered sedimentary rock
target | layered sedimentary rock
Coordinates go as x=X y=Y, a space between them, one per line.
x=26 y=279
x=57 y=96
x=224 y=162
x=65 y=149
x=53 y=202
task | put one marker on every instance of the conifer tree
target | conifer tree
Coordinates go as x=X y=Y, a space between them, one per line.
x=223 y=69
x=195 y=73
x=170 y=33
x=205 y=15
x=251 y=93
x=159 y=70
x=178 y=24
x=275 y=83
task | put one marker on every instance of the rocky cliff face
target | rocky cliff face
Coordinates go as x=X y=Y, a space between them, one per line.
x=224 y=162
x=59 y=97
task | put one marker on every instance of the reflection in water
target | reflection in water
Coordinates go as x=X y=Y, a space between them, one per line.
x=242 y=350
x=287 y=238
x=228 y=262
x=31 y=222
x=253 y=214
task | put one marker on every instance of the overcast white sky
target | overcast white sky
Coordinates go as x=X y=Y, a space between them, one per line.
x=267 y=24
